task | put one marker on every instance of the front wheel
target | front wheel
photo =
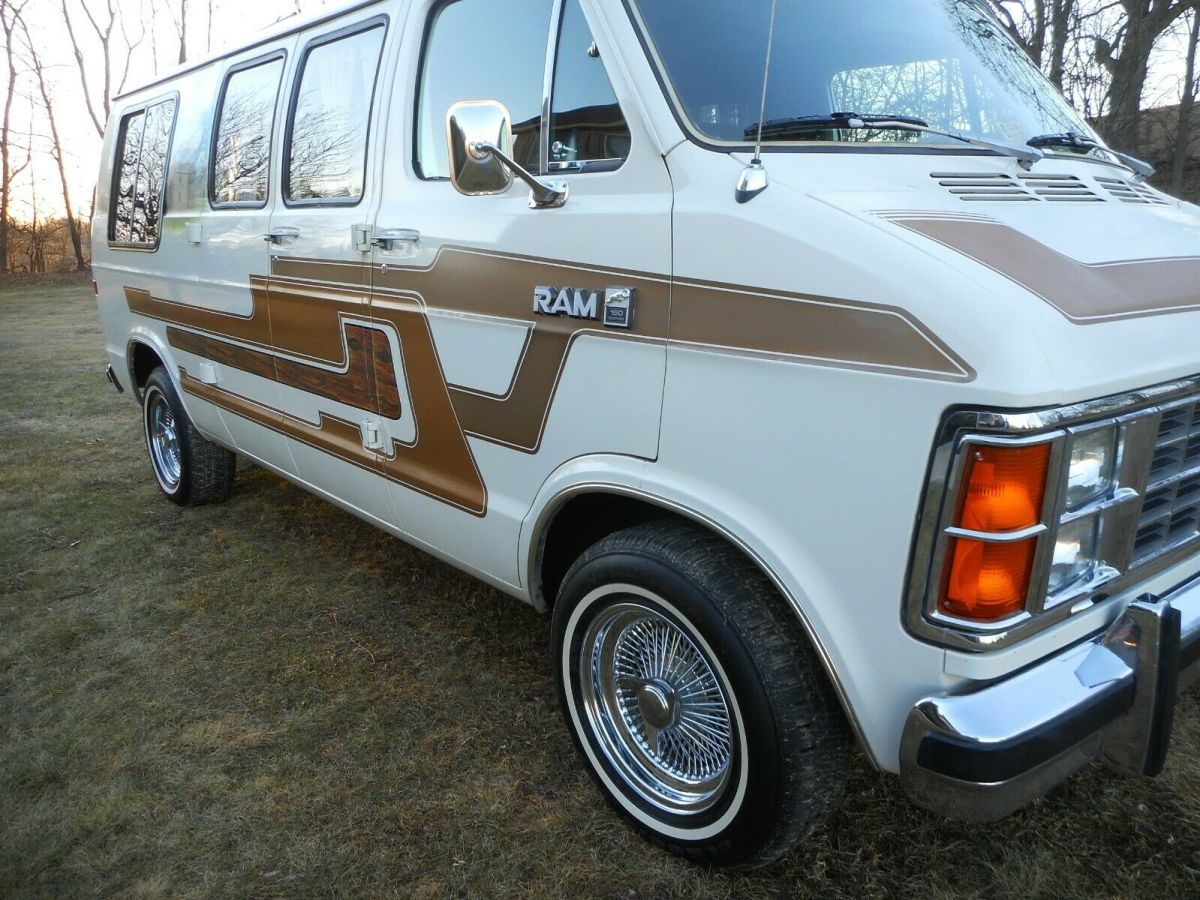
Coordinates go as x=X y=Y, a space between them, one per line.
x=694 y=697
x=190 y=469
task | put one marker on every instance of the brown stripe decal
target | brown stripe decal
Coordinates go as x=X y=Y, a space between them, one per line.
x=314 y=325
x=832 y=332
x=1085 y=293
x=439 y=462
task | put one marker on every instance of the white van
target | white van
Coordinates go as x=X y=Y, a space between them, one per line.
x=827 y=391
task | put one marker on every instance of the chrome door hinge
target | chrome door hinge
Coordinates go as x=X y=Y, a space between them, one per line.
x=361 y=236
x=372 y=434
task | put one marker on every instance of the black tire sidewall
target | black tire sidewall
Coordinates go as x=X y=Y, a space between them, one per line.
x=754 y=819
x=160 y=383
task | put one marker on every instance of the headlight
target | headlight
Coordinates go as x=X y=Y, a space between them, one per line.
x=1074 y=553
x=1030 y=518
x=1090 y=473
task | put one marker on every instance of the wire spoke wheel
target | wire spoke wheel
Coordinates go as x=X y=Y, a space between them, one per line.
x=163 y=438
x=659 y=707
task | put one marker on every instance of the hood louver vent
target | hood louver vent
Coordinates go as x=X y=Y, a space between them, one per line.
x=1128 y=192
x=986 y=186
x=1061 y=189
x=998 y=186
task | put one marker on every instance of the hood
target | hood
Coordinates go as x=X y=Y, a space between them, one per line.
x=1104 y=271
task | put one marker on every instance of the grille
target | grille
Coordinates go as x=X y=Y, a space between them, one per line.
x=1171 y=511
x=998 y=186
x=1128 y=192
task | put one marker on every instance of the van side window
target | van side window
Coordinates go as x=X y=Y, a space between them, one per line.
x=586 y=123
x=331 y=118
x=460 y=63
x=241 y=156
x=141 y=175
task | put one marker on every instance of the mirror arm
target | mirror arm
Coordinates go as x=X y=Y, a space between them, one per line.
x=544 y=196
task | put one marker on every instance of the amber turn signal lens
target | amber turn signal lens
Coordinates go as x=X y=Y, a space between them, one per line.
x=988 y=581
x=1004 y=487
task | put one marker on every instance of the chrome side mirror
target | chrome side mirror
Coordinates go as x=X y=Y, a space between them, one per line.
x=468 y=125
x=479 y=135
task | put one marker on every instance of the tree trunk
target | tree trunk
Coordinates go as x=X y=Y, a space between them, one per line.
x=8 y=17
x=182 y=31
x=1187 y=106
x=1060 y=30
x=1128 y=72
x=57 y=153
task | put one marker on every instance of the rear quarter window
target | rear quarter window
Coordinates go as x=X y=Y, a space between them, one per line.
x=140 y=175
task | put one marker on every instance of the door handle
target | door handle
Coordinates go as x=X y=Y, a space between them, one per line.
x=387 y=240
x=279 y=235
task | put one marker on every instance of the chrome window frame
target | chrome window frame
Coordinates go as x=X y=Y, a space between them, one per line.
x=553 y=48
x=1137 y=414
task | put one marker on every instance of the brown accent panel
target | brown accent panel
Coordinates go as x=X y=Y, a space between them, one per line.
x=253 y=329
x=1085 y=293
x=502 y=286
x=439 y=463
x=518 y=418
x=832 y=332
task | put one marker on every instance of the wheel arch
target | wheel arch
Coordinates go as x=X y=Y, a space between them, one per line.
x=570 y=518
x=143 y=355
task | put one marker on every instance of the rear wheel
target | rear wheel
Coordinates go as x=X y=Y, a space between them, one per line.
x=702 y=712
x=190 y=469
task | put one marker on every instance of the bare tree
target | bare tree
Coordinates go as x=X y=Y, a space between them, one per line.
x=1187 y=107
x=114 y=75
x=56 y=149
x=10 y=16
x=180 y=22
x=1126 y=57
x=1044 y=28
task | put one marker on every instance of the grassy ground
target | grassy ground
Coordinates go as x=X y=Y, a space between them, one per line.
x=270 y=698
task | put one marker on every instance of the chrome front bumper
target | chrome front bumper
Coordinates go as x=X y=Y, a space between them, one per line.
x=978 y=756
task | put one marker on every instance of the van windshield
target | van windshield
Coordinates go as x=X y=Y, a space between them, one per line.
x=947 y=63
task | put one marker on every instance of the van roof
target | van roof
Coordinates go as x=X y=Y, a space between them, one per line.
x=272 y=32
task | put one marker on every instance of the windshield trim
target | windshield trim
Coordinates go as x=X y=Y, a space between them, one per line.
x=707 y=142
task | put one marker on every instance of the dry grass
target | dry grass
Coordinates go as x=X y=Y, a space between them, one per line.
x=270 y=698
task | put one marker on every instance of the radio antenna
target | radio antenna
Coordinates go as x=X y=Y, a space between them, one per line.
x=753 y=180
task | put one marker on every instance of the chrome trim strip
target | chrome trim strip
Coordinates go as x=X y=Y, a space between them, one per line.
x=997 y=537
x=556 y=14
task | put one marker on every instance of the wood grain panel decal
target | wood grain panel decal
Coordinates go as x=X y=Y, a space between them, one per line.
x=369 y=371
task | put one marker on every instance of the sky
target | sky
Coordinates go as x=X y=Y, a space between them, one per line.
x=233 y=22
x=151 y=24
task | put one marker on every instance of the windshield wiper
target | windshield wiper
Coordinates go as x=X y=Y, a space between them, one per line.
x=802 y=124
x=1072 y=141
x=781 y=129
